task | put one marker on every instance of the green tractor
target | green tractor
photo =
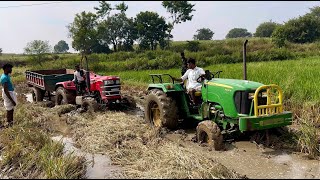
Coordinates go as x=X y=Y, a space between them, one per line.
x=227 y=106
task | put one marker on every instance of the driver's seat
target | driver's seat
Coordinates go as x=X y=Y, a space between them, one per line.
x=198 y=93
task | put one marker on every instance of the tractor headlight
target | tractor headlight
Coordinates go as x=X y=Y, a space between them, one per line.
x=118 y=81
x=108 y=82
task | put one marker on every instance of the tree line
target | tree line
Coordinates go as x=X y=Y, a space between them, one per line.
x=96 y=32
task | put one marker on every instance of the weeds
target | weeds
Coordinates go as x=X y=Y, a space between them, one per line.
x=28 y=151
x=309 y=133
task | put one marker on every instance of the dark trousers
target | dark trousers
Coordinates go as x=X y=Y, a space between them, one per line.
x=81 y=87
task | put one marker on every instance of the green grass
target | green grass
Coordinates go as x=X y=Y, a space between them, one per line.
x=299 y=79
x=210 y=53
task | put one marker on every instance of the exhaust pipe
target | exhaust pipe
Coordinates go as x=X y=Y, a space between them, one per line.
x=245 y=60
x=87 y=75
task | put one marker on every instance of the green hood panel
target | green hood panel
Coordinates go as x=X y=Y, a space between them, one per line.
x=234 y=84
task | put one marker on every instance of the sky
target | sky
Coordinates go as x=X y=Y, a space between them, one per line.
x=20 y=25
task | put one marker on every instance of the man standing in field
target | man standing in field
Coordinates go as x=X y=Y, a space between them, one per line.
x=192 y=74
x=8 y=94
x=79 y=79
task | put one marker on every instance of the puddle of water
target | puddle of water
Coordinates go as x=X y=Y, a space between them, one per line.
x=299 y=169
x=284 y=158
x=99 y=166
x=29 y=97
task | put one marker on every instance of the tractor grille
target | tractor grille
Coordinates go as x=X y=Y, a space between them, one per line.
x=112 y=88
x=243 y=102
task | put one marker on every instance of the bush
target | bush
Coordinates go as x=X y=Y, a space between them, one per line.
x=193 y=46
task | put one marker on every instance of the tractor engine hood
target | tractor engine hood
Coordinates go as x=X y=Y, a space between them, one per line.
x=234 y=84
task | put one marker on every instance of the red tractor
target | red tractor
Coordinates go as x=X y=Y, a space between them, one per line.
x=104 y=90
x=100 y=90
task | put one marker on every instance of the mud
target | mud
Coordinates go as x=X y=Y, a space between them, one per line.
x=246 y=158
x=251 y=159
x=99 y=165
x=255 y=161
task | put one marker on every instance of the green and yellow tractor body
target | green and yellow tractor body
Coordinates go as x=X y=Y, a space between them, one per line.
x=231 y=103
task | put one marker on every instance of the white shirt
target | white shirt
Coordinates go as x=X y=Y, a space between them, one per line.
x=192 y=75
x=77 y=74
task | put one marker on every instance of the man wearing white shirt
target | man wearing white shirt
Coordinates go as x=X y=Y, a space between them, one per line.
x=79 y=78
x=192 y=74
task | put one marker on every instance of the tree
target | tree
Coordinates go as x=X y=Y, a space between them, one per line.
x=278 y=36
x=303 y=29
x=151 y=28
x=265 y=29
x=103 y=9
x=117 y=30
x=238 y=32
x=0 y=51
x=83 y=31
x=180 y=12
x=315 y=11
x=38 y=50
x=122 y=7
x=100 y=48
x=61 y=47
x=203 y=34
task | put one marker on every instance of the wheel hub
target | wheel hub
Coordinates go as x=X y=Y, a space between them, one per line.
x=155 y=115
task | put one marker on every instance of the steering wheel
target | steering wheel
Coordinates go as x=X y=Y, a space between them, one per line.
x=200 y=79
x=217 y=73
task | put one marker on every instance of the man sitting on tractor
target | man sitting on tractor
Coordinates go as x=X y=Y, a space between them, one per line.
x=79 y=79
x=192 y=74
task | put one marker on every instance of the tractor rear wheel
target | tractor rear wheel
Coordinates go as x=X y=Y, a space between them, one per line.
x=209 y=132
x=161 y=110
x=37 y=94
x=64 y=97
x=90 y=104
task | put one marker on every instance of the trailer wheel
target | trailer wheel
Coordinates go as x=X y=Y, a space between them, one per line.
x=161 y=110
x=37 y=94
x=209 y=132
x=64 y=97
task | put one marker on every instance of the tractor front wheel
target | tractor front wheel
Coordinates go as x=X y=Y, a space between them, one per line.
x=90 y=104
x=209 y=132
x=161 y=110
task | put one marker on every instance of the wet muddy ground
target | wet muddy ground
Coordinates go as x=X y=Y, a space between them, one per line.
x=244 y=157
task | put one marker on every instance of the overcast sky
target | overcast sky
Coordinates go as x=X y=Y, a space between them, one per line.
x=20 y=25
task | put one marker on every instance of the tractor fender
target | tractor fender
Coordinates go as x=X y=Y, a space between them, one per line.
x=166 y=88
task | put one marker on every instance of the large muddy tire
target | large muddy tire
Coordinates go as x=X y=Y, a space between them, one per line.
x=64 y=97
x=90 y=104
x=209 y=132
x=161 y=110
x=37 y=94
